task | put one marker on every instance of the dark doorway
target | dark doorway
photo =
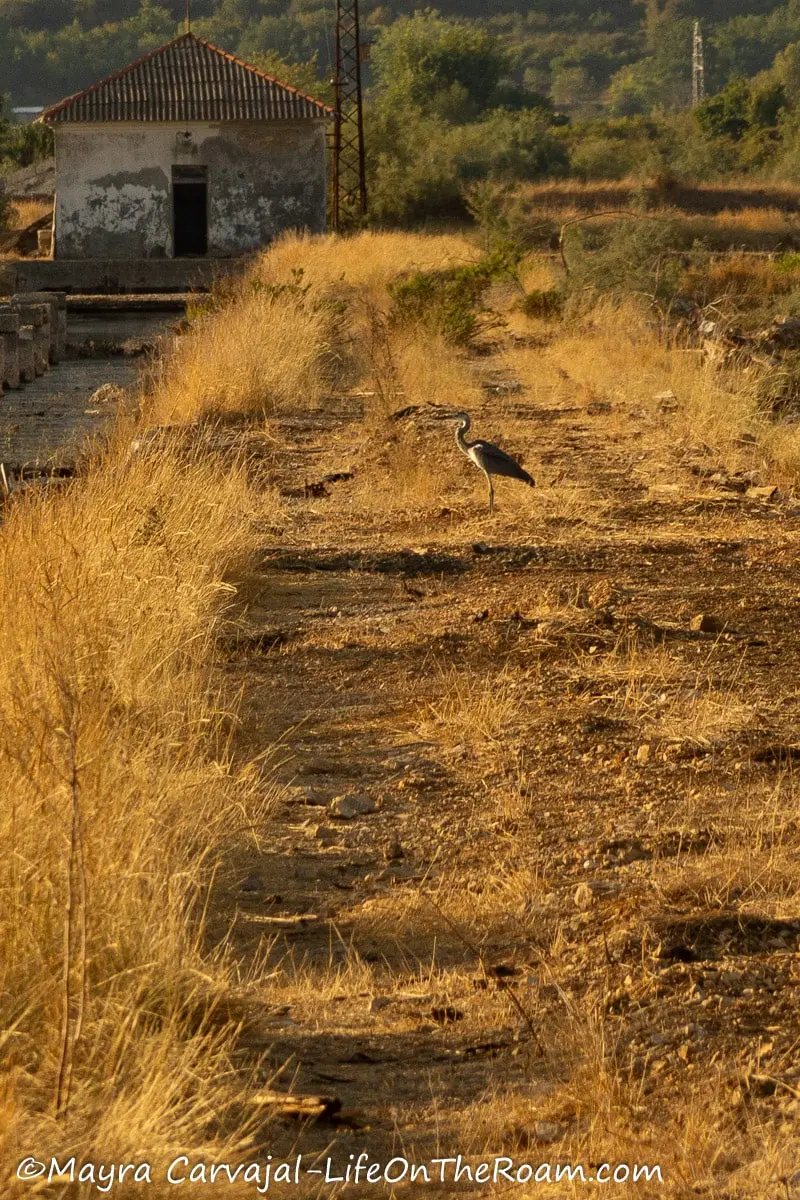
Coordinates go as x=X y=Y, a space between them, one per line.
x=190 y=211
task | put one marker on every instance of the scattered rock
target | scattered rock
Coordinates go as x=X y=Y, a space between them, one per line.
x=767 y=495
x=643 y=753
x=327 y=835
x=394 y=851
x=348 y=807
x=707 y=623
x=548 y=1131
x=666 y=401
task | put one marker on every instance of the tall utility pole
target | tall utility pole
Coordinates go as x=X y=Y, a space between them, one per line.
x=349 y=172
x=698 y=66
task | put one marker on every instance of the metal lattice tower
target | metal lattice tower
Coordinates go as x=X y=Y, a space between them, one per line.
x=349 y=173
x=698 y=66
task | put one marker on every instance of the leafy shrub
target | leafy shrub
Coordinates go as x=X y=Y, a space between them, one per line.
x=787 y=263
x=547 y=305
x=422 y=165
x=634 y=255
x=449 y=302
x=603 y=158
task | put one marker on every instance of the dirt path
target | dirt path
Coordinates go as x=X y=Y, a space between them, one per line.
x=558 y=913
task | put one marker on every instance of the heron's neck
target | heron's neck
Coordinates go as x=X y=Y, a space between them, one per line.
x=461 y=441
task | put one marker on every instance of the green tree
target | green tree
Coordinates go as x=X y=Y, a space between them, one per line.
x=305 y=76
x=727 y=114
x=661 y=80
x=438 y=67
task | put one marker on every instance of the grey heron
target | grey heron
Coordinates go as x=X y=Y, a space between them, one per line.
x=486 y=456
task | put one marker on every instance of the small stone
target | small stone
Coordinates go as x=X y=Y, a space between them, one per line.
x=666 y=401
x=548 y=1131
x=348 y=807
x=707 y=623
x=394 y=851
x=327 y=835
x=307 y=795
x=583 y=897
x=643 y=753
x=766 y=494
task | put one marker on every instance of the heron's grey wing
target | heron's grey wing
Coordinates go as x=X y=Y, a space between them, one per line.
x=494 y=460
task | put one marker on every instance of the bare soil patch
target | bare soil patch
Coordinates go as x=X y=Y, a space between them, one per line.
x=530 y=886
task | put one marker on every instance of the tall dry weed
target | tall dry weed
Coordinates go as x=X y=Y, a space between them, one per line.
x=362 y=263
x=258 y=354
x=118 y=794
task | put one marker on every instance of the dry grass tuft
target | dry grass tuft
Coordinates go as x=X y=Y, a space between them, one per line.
x=290 y=329
x=362 y=263
x=119 y=798
x=23 y=213
x=258 y=354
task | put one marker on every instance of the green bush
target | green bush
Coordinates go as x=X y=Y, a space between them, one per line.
x=634 y=255
x=422 y=167
x=605 y=158
x=450 y=302
x=547 y=305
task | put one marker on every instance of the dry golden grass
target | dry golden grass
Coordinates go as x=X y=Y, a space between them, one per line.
x=278 y=340
x=765 y=220
x=738 y=277
x=119 y=798
x=362 y=263
x=121 y=793
x=736 y=193
x=255 y=356
x=617 y=355
x=429 y=371
x=472 y=710
x=24 y=212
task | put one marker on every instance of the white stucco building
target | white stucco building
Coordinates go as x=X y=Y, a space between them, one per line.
x=186 y=152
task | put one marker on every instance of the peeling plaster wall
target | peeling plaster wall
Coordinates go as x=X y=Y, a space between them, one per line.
x=114 y=185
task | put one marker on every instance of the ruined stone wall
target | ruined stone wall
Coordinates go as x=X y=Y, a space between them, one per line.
x=114 y=185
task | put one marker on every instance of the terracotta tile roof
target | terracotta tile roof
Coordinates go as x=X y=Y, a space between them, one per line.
x=188 y=80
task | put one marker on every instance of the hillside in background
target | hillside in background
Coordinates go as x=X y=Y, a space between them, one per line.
x=474 y=95
x=623 y=55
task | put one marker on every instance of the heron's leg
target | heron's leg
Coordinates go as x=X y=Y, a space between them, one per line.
x=491 y=493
